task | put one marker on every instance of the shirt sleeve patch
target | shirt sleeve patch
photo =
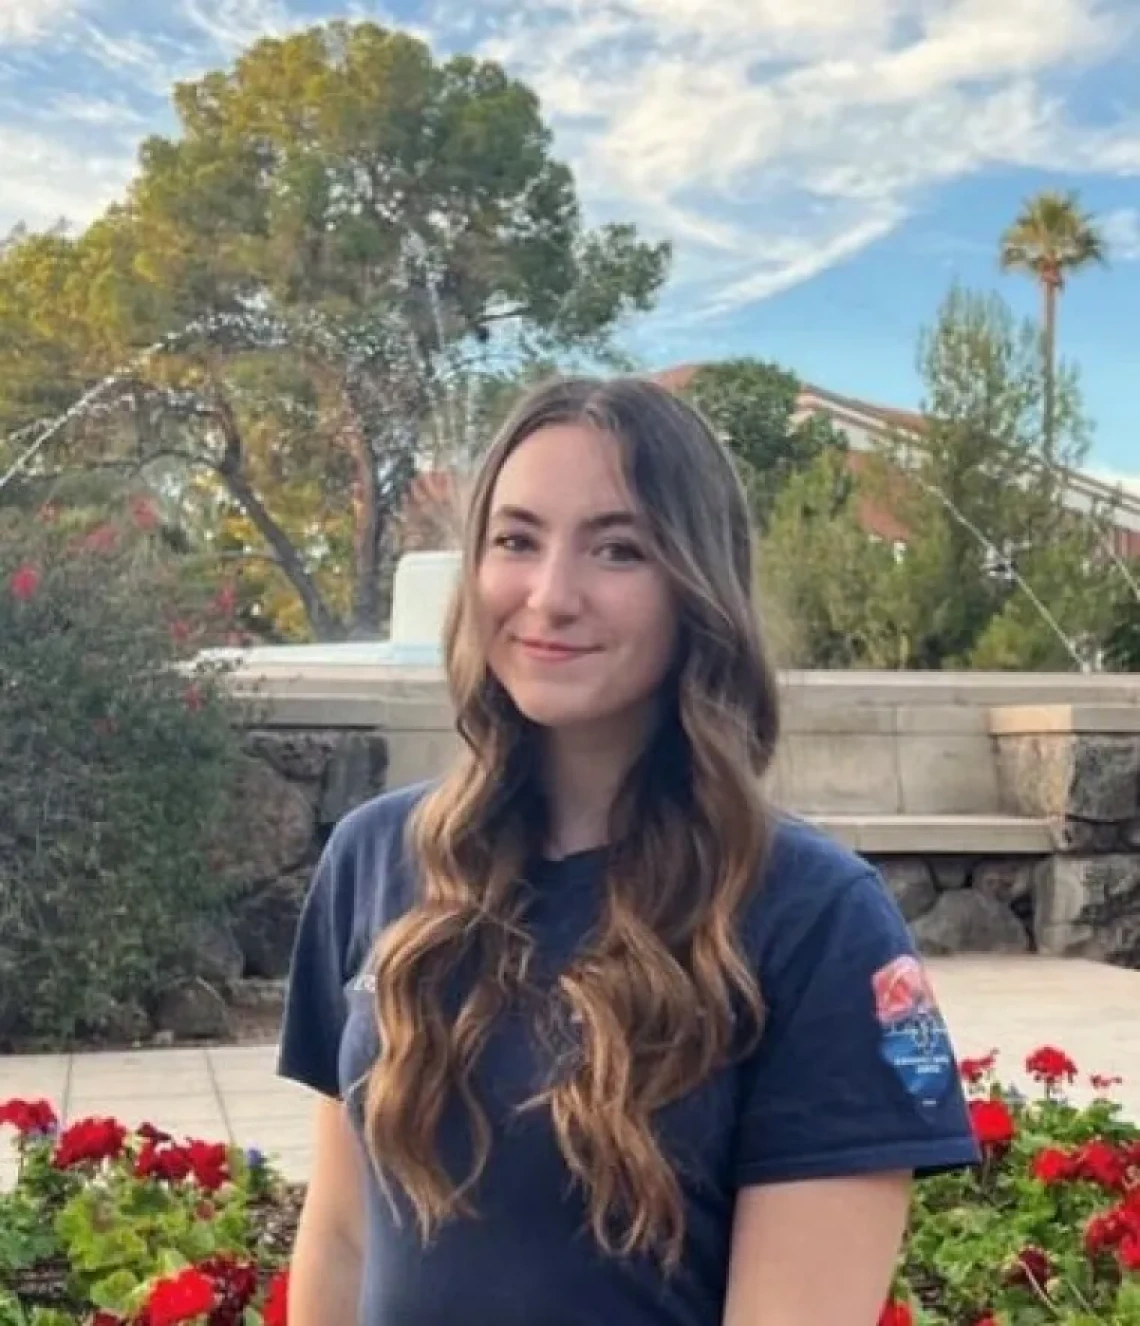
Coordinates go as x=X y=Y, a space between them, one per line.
x=914 y=1039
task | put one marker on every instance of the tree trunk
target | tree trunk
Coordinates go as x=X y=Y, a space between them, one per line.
x=324 y=624
x=1052 y=284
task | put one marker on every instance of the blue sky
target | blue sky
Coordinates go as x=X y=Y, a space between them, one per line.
x=825 y=170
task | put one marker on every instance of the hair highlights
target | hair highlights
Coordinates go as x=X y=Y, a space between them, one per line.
x=662 y=995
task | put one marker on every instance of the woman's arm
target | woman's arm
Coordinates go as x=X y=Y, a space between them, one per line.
x=328 y=1254
x=821 y=1251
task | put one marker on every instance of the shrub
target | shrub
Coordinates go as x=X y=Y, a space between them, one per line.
x=116 y=761
x=109 y=1226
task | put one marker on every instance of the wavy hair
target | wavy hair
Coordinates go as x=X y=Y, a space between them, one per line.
x=661 y=995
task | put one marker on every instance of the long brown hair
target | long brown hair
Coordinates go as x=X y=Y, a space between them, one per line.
x=658 y=997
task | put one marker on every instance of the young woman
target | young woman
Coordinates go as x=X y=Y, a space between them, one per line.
x=654 y=1054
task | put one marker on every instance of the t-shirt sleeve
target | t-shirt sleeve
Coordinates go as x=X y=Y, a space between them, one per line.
x=315 y=1003
x=855 y=1072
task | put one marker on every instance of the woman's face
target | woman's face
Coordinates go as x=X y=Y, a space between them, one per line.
x=580 y=623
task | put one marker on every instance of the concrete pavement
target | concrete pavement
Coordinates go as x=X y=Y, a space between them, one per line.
x=231 y=1093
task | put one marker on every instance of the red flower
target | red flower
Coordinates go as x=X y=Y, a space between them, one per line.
x=179 y=1298
x=1101 y=1082
x=235 y=1283
x=1105 y=1231
x=893 y=1314
x=24 y=582
x=1129 y=1251
x=89 y=1140
x=169 y=1163
x=102 y=539
x=1050 y=1065
x=225 y=600
x=193 y=698
x=180 y=631
x=274 y=1311
x=29 y=1117
x=1053 y=1166
x=1031 y=1267
x=992 y=1121
x=209 y=1163
x=144 y=514
x=1099 y=1162
x=973 y=1070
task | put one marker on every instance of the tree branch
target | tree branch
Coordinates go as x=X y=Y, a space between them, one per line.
x=229 y=470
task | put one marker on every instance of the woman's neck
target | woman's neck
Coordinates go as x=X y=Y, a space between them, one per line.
x=583 y=771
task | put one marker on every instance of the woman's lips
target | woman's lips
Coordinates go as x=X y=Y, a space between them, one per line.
x=553 y=651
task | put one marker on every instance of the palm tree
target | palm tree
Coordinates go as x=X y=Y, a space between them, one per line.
x=1050 y=238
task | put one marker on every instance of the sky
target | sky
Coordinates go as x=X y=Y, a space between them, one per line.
x=825 y=171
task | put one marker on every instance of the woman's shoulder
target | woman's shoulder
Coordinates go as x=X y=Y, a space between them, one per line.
x=365 y=876
x=377 y=825
x=813 y=891
x=798 y=847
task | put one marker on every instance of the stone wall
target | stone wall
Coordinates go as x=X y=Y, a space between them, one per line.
x=1070 y=775
x=1080 y=770
x=965 y=904
x=294 y=787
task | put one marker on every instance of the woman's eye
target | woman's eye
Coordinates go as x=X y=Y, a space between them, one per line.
x=513 y=543
x=622 y=552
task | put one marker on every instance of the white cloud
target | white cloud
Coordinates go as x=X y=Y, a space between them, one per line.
x=30 y=20
x=1121 y=230
x=128 y=57
x=46 y=180
x=774 y=139
x=235 y=24
x=101 y=112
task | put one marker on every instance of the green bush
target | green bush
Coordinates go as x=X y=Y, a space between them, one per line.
x=117 y=756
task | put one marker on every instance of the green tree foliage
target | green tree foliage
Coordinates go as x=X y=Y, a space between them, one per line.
x=830 y=592
x=354 y=232
x=753 y=405
x=986 y=529
x=1122 y=640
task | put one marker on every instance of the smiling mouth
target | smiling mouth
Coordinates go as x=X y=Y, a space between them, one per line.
x=552 y=651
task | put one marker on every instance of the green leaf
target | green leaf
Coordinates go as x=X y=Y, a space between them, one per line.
x=113 y=1292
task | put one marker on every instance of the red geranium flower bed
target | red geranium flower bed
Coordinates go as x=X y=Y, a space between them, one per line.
x=109 y=1227
x=112 y=1227
x=1047 y=1229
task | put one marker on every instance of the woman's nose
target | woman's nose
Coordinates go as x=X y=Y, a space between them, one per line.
x=555 y=588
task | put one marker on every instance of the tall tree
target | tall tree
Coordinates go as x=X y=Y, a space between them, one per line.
x=348 y=227
x=1050 y=238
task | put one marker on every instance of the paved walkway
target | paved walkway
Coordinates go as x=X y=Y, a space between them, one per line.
x=1015 y=1004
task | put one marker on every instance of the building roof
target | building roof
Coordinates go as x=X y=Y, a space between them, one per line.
x=868 y=414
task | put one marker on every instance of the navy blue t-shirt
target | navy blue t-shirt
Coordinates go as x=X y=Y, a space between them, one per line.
x=854 y=1074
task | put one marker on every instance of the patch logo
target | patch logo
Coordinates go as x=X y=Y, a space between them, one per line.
x=914 y=1038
